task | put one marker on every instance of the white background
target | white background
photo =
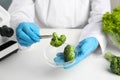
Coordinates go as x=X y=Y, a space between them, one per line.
x=115 y=3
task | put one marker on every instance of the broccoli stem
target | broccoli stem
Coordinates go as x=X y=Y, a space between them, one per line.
x=114 y=62
x=109 y=56
x=57 y=41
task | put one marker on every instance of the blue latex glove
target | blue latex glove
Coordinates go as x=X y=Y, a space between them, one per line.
x=27 y=33
x=82 y=50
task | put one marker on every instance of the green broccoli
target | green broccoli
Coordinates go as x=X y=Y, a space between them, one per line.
x=57 y=41
x=111 y=25
x=69 y=54
x=114 y=62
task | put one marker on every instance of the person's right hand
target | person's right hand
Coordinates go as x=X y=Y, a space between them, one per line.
x=27 y=33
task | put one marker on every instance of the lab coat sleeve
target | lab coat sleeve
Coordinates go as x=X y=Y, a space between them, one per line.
x=21 y=11
x=94 y=26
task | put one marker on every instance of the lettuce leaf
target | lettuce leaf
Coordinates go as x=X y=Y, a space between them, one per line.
x=111 y=25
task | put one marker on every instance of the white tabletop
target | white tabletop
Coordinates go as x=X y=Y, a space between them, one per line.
x=30 y=64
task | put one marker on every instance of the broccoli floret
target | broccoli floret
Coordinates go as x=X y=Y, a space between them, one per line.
x=57 y=41
x=114 y=62
x=111 y=25
x=69 y=54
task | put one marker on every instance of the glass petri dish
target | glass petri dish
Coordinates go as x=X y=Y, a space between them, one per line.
x=50 y=53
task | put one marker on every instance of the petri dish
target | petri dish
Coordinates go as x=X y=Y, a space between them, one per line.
x=50 y=53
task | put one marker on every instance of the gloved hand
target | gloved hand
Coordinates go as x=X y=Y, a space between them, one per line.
x=27 y=33
x=82 y=50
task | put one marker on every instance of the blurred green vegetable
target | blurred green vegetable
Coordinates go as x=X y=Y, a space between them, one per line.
x=69 y=54
x=114 y=62
x=111 y=25
x=57 y=41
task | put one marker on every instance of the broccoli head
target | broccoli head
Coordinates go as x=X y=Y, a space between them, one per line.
x=111 y=25
x=69 y=54
x=114 y=62
x=57 y=41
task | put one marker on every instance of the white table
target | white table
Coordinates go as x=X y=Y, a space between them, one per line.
x=30 y=64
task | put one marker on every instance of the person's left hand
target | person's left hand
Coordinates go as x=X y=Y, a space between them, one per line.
x=82 y=50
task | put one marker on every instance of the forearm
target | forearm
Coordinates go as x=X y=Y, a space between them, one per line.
x=94 y=26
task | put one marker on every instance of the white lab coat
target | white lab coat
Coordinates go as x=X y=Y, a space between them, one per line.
x=86 y=14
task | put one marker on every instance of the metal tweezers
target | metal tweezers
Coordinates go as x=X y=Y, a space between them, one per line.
x=45 y=36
